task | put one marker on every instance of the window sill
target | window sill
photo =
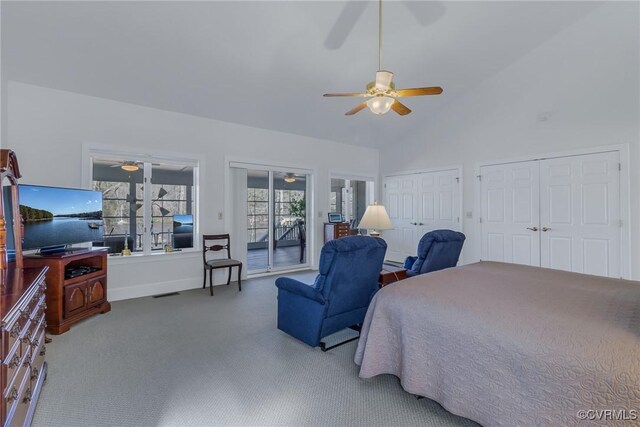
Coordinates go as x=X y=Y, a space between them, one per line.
x=159 y=256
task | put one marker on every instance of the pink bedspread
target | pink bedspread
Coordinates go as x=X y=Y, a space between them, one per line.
x=511 y=345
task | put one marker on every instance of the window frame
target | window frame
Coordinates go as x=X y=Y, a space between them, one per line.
x=100 y=151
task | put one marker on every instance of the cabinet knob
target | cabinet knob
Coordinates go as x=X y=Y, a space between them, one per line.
x=14 y=362
x=13 y=395
x=27 y=396
x=15 y=331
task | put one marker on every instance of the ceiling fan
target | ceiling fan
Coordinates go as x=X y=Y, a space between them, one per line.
x=382 y=92
x=291 y=177
x=128 y=165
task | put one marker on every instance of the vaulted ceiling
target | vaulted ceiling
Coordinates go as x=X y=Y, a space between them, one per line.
x=266 y=64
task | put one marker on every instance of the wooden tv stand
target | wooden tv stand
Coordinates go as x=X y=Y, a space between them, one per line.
x=71 y=299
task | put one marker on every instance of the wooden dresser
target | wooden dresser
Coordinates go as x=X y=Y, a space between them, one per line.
x=22 y=311
x=22 y=306
x=335 y=230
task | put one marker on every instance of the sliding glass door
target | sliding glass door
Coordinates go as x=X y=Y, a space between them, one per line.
x=276 y=220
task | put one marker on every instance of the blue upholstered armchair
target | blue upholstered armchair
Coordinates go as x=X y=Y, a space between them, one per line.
x=340 y=295
x=437 y=250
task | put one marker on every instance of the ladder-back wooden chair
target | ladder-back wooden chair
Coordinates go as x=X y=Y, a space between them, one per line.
x=211 y=264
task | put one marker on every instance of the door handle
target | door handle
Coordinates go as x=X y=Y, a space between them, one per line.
x=413 y=223
x=546 y=229
x=420 y=223
x=532 y=228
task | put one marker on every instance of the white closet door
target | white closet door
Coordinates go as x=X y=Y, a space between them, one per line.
x=400 y=201
x=510 y=213
x=580 y=214
x=438 y=201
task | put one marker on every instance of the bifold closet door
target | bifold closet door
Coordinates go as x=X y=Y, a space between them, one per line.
x=400 y=201
x=418 y=203
x=580 y=214
x=510 y=213
x=438 y=202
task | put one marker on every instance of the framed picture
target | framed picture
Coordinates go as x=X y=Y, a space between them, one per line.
x=335 y=217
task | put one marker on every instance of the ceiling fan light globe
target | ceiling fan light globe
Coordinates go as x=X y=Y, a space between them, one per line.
x=380 y=104
x=130 y=167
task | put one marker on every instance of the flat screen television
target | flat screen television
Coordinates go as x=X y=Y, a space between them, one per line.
x=55 y=216
x=182 y=231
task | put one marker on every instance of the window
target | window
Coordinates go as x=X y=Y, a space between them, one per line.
x=257 y=214
x=287 y=205
x=154 y=217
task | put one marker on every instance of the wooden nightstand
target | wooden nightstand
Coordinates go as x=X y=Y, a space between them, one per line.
x=390 y=274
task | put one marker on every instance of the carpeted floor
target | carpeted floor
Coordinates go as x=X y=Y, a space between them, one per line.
x=198 y=360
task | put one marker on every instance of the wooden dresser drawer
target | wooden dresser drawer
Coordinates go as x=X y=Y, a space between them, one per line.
x=17 y=402
x=336 y=230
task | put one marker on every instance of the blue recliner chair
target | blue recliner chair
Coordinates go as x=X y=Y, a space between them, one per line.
x=340 y=295
x=437 y=250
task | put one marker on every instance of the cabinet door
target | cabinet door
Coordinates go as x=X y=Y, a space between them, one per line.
x=97 y=289
x=75 y=299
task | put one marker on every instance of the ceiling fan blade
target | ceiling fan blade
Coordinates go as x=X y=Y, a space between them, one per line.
x=400 y=108
x=356 y=109
x=427 y=12
x=347 y=19
x=419 y=91
x=347 y=94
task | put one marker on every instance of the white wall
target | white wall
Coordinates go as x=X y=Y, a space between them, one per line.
x=47 y=128
x=586 y=77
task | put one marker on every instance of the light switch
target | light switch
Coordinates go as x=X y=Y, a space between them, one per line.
x=220 y=215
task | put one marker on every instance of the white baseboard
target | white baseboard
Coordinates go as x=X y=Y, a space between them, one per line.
x=148 y=289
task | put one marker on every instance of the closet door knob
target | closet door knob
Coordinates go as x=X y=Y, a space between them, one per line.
x=532 y=228
x=546 y=229
x=413 y=223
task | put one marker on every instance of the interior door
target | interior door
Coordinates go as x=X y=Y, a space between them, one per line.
x=580 y=214
x=438 y=202
x=400 y=200
x=510 y=215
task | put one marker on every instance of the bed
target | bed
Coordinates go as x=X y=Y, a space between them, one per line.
x=510 y=345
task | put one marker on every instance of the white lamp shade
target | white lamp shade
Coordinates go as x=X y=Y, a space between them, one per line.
x=380 y=104
x=375 y=218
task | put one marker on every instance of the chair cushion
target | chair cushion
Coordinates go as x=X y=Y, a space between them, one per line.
x=437 y=250
x=219 y=263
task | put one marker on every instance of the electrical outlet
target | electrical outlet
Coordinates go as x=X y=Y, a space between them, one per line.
x=320 y=214
x=469 y=214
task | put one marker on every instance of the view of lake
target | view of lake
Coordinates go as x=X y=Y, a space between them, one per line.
x=183 y=229
x=59 y=231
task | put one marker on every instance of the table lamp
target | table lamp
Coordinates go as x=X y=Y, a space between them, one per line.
x=375 y=218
